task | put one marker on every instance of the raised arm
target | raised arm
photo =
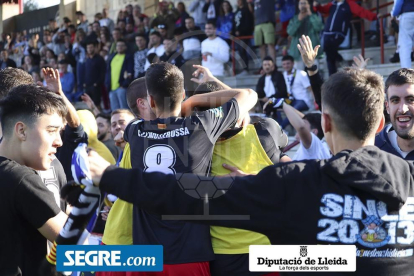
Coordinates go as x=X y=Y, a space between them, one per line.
x=52 y=79
x=295 y=119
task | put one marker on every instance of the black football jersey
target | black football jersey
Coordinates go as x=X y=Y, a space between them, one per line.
x=177 y=145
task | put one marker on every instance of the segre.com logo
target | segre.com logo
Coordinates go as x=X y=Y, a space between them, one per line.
x=109 y=258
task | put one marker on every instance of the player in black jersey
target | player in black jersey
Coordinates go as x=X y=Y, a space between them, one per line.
x=251 y=147
x=171 y=144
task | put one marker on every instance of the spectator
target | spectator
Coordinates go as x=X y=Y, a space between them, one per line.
x=304 y=23
x=215 y=51
x=225 y=21
x=121 y=25
x=72 y=32
x=309 y=133
x=298 y=86
x=398 y=137
x=116 y=35
x=155 y=47
x=180 y=23
x=243 y=26
x=129 y=33
x=53 y=28
x=95 y=69
x=337 y=26
x=79 y=53
x=105 y=21
x=58 y=42
x=96 y=28
x=200 y=17
x=163 y=30
x=120 y=118
x=138 y=16
x=272 y=83
x=129 y=18
x=287 y=11
x=264 y=30
x=5 y=61
x=192 y=43
x=404 y=9
x=105 y=40
x=140 y=56
x=212 y=8
x=119 y=75
x=29 y=66
x=83 y=22
x=167 y=15
x=104 y=133
x=67 y=80
x=170 y=54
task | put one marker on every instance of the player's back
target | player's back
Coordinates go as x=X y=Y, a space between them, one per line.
x=177 y=145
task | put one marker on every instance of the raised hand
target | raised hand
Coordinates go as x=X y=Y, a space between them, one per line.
x=360 y=62
x=52 y=78
x=307 y=52
x=207 y=75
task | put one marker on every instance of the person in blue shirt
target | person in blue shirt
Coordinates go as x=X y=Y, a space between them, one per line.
x=67 y=79
x=225 y=21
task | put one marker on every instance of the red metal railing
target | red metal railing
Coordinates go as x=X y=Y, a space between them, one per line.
x=353 y=22
x=381 y=23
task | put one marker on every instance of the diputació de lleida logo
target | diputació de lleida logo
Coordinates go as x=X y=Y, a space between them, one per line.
x=373 y=235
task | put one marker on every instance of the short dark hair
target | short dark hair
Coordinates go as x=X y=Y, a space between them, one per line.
x=190 y=17
x=207 y=87
x=121 y=40
x=165 y=83
x=156 y=33
x=141 y=35
x=117 y=29
x=355 y=100
x=12 y=77
x=27 y=103
x=212 y=22
x=314 y=120
x=287 y=57
x=268 y=58
x=72 y=26
x=63 y=61
x=91 y=41
x=136 y=90
x=400 y=77
x=105 y=116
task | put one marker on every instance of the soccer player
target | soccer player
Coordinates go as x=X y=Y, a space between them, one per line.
x=251 y=147
x=312 y=201
x=31 y=120
x=171 y=144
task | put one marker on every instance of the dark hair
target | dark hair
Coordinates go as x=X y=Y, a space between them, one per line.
x=222 y=10
x=287 y=57
x=355 y=100
x=190 y=17
x=151 y=57
x=63 y=61
x=141 y=35
x=400 y=77
x=27 y=103
x=12 y=77
x=212 y=22
x=165 y=83
x=269 y=58
x=117 y=29
x=91 y=41
x=314 y=120
x=79 y=13
x=105 y=116
x=121 y=40
x=136 y=90
x=207 y=87
x=156 y=33
x=72 y=26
